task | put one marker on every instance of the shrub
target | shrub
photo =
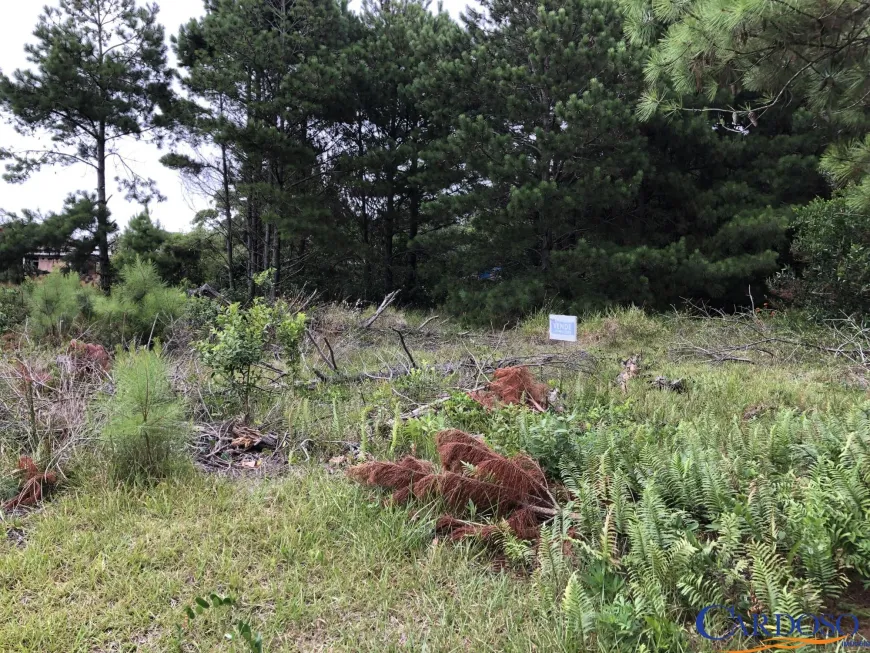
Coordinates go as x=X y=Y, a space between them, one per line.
x=671 y=519
x=145 y=431
x=832 y=244
x=141 y=306
x=13 y=308
x=239 y=342
x=58 y=303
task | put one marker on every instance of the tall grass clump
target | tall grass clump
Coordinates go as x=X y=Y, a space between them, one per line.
x=145 y=431
x=58 y=303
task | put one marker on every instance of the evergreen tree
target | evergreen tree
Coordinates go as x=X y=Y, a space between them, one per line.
x=99 y=76
x=176 y=257
x=70 y=232
x=810 y=52
x=548 y=144
x=270 y=64
x=711 y=214
x=384 y=177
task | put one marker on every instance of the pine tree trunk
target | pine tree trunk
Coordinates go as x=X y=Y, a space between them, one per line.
x=413 y=227
x=389 y=225
x=276 y=263
x=228 y=213
x=103 y=213
x=250 y=244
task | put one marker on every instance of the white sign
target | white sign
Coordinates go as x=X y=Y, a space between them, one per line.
x=563 y=327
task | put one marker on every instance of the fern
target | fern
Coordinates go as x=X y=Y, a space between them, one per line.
x=578 y=612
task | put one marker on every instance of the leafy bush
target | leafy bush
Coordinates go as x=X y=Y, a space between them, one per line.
x=832 y=244
x=141 y=306
x=239 y=341
x=13 y=307
x=145 y=431
x=58 y=303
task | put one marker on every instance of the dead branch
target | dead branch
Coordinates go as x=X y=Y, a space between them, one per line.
x=330 y=364
x=206 y=290
x=389 y=299
x=405 y=347
x=428 y=320
x=331 y=353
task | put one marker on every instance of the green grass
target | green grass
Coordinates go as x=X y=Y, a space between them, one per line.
x=314 y=563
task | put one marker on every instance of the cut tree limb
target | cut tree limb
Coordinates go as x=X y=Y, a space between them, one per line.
x=329 y=363
x=420 y=328
x=389 y=299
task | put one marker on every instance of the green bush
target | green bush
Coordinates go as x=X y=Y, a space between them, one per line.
x=239 y=342
x=832 y=245
x=668 y=519
x=141 y=305
x=58 y=303
x=13 y=307
x=145 y=431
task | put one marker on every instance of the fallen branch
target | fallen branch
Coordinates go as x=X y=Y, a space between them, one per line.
x=425 y=408
x=331 y=353
x=330 y=364
x=420 y=328
x=454 y=367
x=405 y=347
x=389 y=299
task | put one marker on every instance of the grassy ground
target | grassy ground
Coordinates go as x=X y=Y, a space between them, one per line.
x=317 y=564
x=314 y=564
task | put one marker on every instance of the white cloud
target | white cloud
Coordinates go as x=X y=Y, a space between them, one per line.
x=47 y=189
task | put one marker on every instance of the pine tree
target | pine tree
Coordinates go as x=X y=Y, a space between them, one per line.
x=384 y=177
x=99 y=77
x=71 y=232
x=267 y=64
x=808 y=52
x=548 y=144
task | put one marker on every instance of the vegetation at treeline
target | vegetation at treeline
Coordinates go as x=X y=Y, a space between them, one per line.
x=580 y=152
x=174 y=445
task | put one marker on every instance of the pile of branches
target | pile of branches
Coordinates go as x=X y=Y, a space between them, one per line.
x=754 y=336
x=513 y=385
x=511 y=490
x=234 y=445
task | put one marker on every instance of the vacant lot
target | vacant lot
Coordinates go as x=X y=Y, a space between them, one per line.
x=718 y=469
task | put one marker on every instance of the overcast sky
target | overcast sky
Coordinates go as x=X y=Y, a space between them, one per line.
x=46 y=190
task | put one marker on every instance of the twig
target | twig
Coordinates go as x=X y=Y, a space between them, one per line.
x=331 y=353
x=425 y=408
x=405 y=347
x=330 y=364
x=420 y=328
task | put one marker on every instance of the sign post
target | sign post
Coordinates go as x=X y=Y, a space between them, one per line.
x=563 y=327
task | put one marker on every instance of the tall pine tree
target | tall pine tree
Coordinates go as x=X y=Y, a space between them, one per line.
x=99 y=76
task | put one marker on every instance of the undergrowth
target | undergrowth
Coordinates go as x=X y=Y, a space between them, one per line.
x=748 y=489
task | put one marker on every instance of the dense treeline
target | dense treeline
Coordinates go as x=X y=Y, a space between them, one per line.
x=492 y=166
